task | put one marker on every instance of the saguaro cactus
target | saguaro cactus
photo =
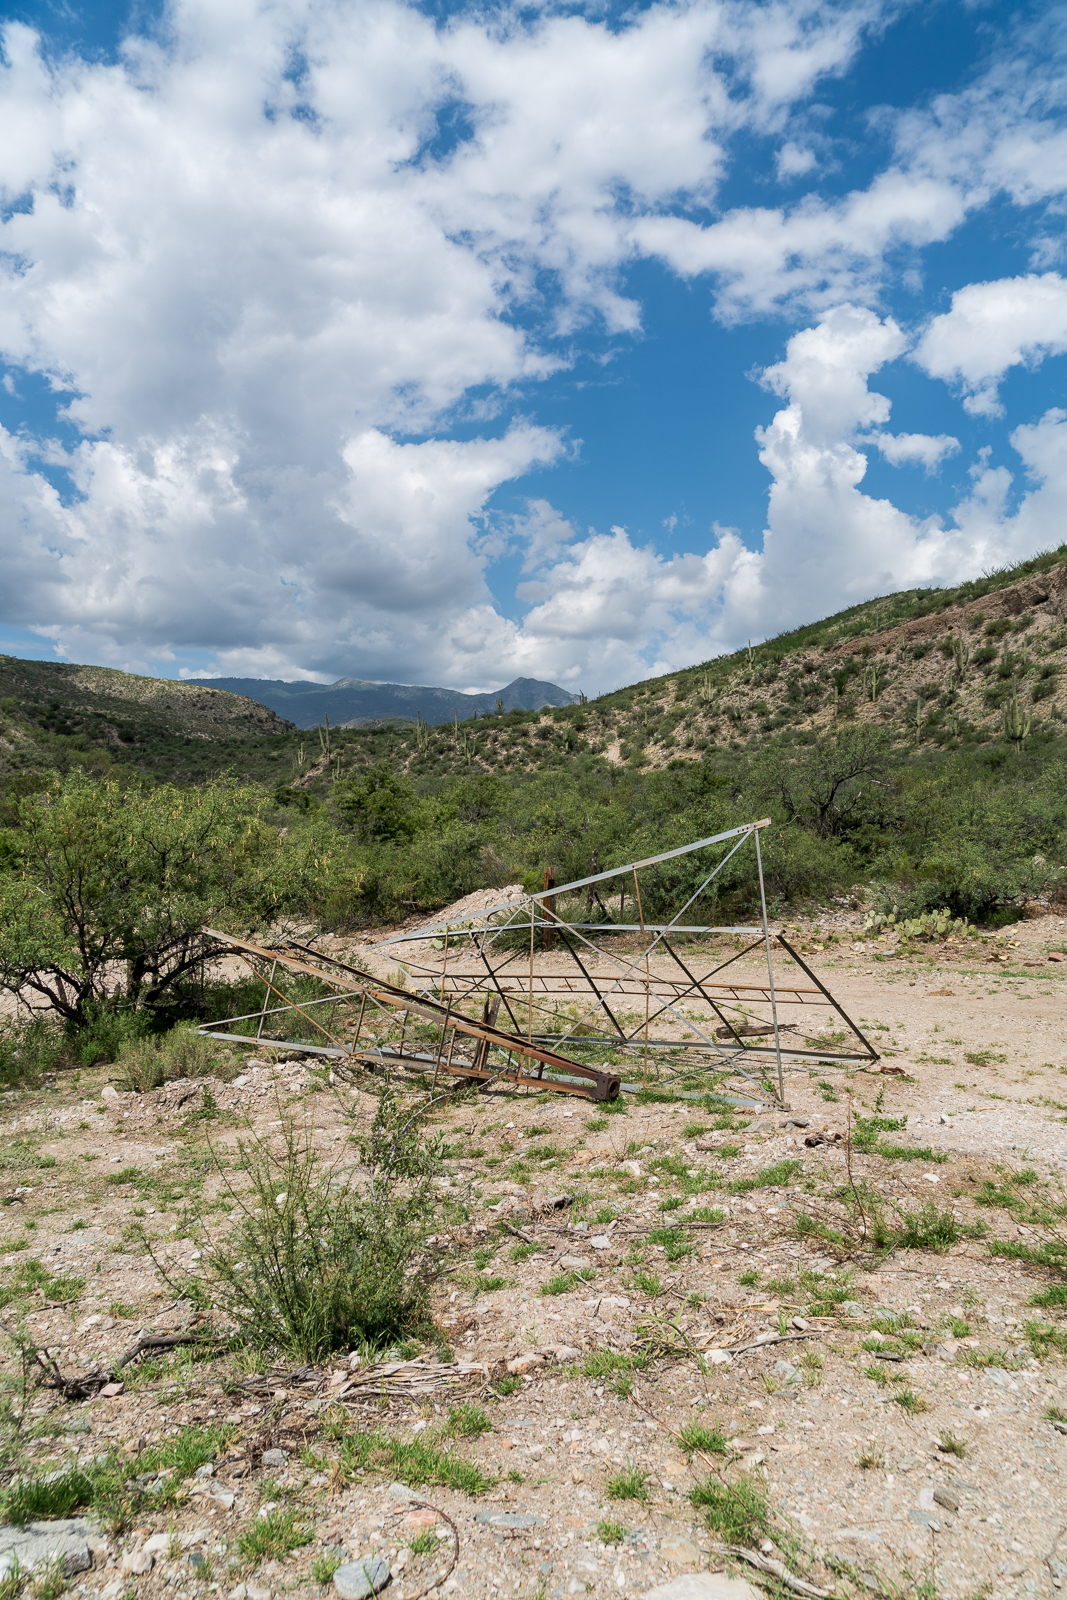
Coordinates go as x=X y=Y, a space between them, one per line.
x=961 y=655
x=1016 y=719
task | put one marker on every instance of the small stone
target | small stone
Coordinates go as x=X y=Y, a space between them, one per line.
x=785 y=1372
x=704 y=1586
x=138 y=1562
x=109 y=1093
x=206 y=1471
x=510 y=1519
x=575 y=1263
x=258 y=1591
x=111 y=1391
x=275 y=1458
x=357 y=1579
x=947 y=1497
x=680 y=1552
x=157 y=1544
x=566 y=1352
x=520 y=1364
x=400 y=1491
x=600 y=1241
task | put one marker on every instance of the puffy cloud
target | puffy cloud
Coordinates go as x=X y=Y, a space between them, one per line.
x=279 y=261
x=272 y=242
x=991 y=327
x=926 y=448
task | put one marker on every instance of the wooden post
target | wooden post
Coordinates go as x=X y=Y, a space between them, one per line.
x=548 y=938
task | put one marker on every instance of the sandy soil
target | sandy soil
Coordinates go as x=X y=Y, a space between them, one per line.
x=861 y=1495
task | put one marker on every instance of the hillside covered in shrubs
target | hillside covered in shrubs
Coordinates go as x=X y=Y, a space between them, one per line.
x=911 y=754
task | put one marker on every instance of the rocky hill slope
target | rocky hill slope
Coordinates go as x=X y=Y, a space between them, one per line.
x=53 y=714
x=985 y=661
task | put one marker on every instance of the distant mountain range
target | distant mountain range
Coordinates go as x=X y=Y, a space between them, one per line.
x=352 y=703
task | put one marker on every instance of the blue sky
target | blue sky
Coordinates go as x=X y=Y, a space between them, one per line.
x=446 y=345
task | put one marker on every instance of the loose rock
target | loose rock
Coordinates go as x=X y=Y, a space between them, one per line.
x=704 y=1586
x=357 y=1579
x=38 y=1543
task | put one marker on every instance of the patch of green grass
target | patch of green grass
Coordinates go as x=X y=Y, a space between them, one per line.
x=910 y=1402
x=564 y=1282
x=869 y=1458
x=467 y=1421
x=647 y=1282
x=675 y=1242
x=32 y=1279
x=697 y=1436
x=324 y=1567
x=108 y=1487
x=629 y=1484
x=1051 y=1254
x=604 y=1215
x=693 y=1130
x=959 y=1328
x=949 y=1445
x=515 y=1476
x=748 y=1279
x=37 y=1500
x=1042 y=1339
x=596 y=1124
x=928 y=1229
x=507 y=1384
x=610 y=1532
x=1055 y=1414
x=488 y=1284
x=1055 y=1294
x=776 y=1177
x=272 y=1535
x=735 y=1512
x=671 y=1202
x=416 y=1462
x=708 y=1214
x=783 y=1286
x=523 y=1252
x=614 y=1368
x=125 y=1175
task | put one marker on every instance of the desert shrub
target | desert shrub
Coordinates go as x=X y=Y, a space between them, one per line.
x=149 y=1062
x=320 y=1259
x=30 y=1047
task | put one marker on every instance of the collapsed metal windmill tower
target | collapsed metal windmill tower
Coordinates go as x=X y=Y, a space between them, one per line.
x=536 y=991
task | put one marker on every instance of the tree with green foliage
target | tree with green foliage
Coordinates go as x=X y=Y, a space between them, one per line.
x=378 y=806
x=113 y=885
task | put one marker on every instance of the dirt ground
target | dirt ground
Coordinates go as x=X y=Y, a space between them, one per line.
x=769 y=1338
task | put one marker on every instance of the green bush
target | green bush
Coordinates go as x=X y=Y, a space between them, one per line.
x=30 y=1047
x=320 y=1259
x=148 y=1063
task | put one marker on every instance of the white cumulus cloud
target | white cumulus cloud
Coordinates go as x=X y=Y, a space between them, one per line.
x=991 y=327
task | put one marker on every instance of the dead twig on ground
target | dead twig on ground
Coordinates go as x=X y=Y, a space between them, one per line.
x=89 y=1384
x=776 y=1569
